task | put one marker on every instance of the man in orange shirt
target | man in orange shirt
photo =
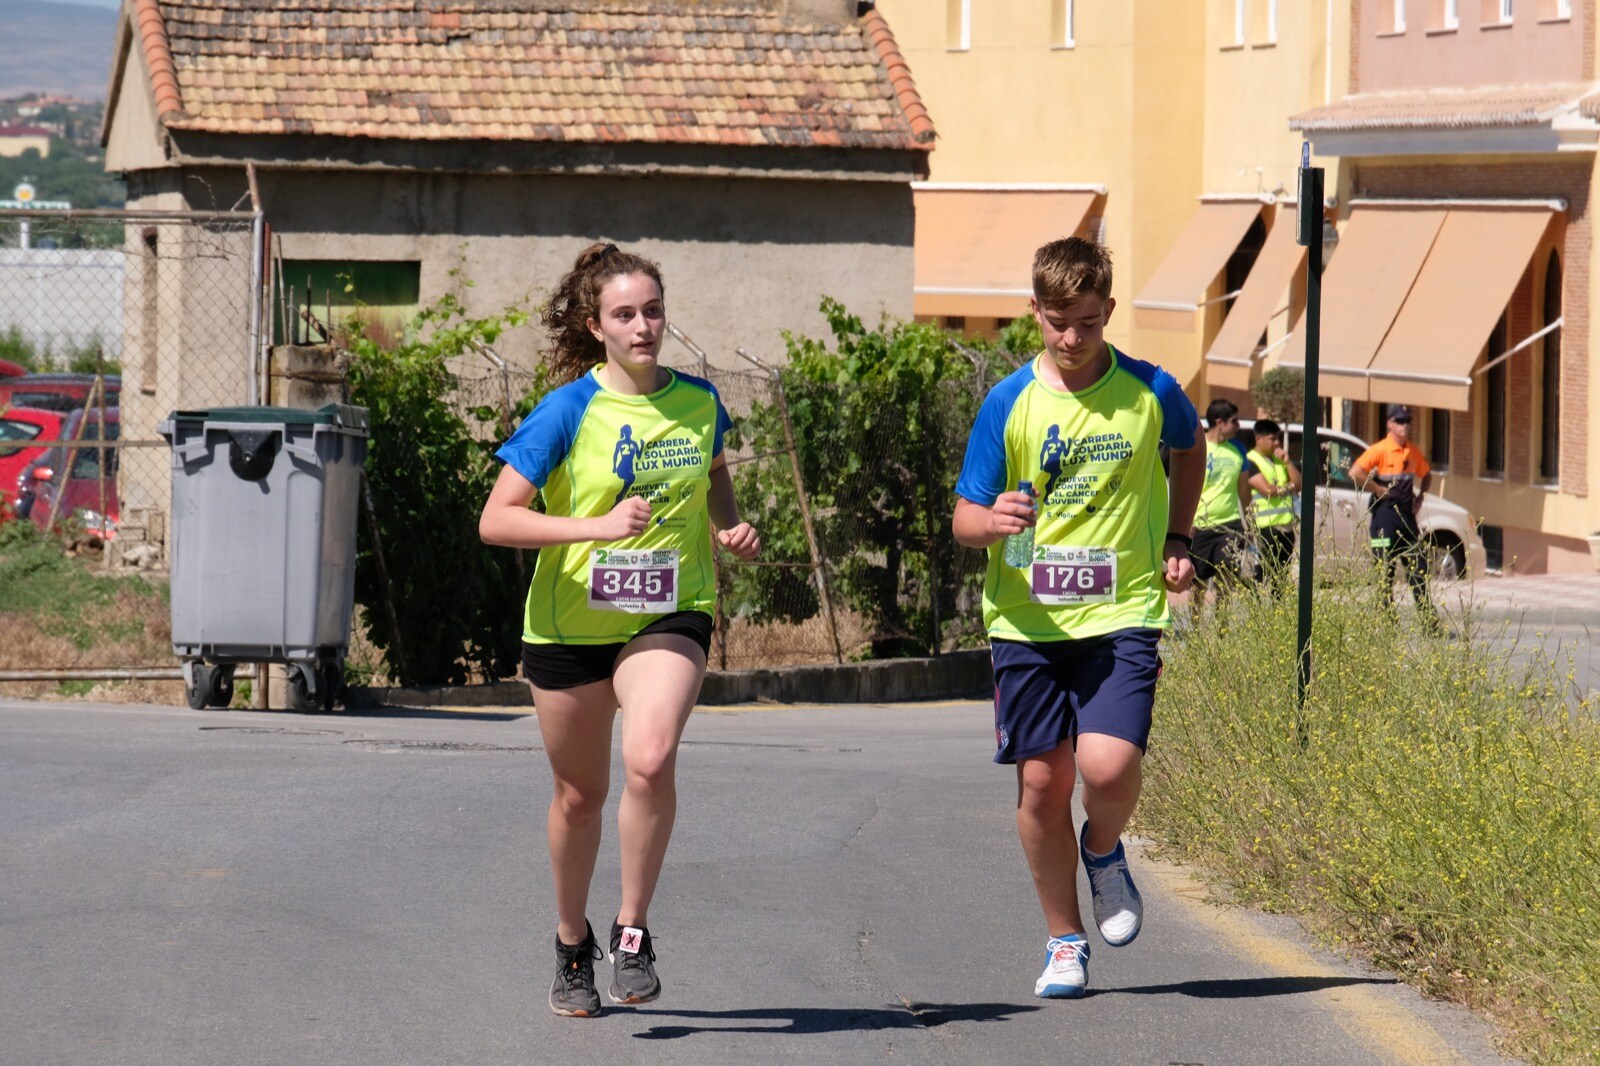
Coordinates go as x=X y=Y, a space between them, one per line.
x=1397 y=474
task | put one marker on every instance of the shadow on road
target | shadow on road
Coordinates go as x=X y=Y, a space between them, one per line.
x=798 y=1021
x=423 y=712
x=1244 y=987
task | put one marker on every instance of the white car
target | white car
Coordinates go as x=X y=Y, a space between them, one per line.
x=1455 y=549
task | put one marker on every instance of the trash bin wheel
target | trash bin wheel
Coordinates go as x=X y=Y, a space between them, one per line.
x=300 y=685
x=330 y=679
x=219 y=688
x=200 y=691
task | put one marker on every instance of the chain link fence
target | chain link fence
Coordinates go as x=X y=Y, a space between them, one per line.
x=849 y=485
x=850 y=488
x=119 y=318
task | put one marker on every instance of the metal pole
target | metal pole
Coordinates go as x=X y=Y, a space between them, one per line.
x=258 y=252
x=1310 y=235
x=72 y=453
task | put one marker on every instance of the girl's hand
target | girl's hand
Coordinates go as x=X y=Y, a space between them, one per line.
x=742 y=540
x=627 y=519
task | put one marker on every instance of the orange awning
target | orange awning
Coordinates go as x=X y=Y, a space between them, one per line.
x=974 y=244
x=1175 y=291
x=1380 y=252
x=1231 y=361
x=1480 y=254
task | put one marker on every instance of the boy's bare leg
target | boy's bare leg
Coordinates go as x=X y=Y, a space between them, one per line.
x=1044 y=824
x=1112 y=770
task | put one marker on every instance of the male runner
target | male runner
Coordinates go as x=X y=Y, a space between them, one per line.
x=1075 y=632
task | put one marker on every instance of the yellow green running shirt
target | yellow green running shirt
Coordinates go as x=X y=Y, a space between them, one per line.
x=586 y=447
x=1219 y=499
x=1093 y=458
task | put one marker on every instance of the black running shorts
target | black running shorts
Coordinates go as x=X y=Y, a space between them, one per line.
x=557 y=666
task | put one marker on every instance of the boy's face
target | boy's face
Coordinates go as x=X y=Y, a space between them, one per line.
x=1266 y=443
x=1074 y=332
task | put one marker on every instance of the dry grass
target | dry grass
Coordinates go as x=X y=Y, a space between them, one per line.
x=61 y=612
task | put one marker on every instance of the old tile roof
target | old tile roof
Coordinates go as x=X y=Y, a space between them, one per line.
x=723 y=72
x=1515 y=105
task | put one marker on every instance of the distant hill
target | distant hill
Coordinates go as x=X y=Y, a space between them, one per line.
x=58 y=48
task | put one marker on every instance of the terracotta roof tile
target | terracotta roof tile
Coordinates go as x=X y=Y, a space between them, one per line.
x=719 y=71
x=1515 y=105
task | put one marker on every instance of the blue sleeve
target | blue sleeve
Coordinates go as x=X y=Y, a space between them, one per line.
x=983 y=471
x=545 y=437
x=724 y=421
x=1180 y=422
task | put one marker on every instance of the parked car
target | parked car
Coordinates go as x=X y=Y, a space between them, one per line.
x=88 y=496
x=1455 y=549
x=55 y=392
x=8 y=369
x=18 y=427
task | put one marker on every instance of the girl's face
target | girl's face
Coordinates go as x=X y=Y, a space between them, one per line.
x=632 y=322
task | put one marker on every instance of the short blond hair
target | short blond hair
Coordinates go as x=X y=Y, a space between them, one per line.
x=1070 y=268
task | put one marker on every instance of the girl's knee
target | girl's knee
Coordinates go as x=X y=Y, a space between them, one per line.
x=580 y=802
x=651 y=769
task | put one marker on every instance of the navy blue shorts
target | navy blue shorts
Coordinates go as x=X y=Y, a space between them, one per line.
x=1047 y=693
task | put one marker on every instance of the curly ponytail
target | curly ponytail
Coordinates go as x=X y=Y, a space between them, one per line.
x=573 y=349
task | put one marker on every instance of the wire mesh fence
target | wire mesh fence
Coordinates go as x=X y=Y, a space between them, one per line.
x=115 y=318
x=849 y=484
x=850 y=487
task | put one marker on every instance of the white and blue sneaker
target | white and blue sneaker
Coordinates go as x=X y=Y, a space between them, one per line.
x=1066 y=968
x=1118 y=909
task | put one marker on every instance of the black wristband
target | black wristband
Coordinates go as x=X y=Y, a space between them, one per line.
x=1188 y=541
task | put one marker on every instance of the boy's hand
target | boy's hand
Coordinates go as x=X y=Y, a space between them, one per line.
x=1179 y=573
x=1012 y=513
x=742 y=540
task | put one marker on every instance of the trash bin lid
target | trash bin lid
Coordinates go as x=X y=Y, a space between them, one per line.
x=333 y=414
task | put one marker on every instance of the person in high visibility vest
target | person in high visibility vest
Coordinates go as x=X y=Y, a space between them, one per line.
x=1274 y=480
x=1219 y=538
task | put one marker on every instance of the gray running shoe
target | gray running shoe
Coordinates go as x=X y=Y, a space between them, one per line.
x=633 y=980
x=572 y=993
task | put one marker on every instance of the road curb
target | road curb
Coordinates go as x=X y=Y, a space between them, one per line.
x=958 y=675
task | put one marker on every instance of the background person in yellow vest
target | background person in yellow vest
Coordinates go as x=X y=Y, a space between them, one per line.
x=1274 y=480
x=1219 y=537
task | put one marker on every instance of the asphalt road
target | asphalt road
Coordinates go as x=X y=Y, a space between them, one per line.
x=844 y=885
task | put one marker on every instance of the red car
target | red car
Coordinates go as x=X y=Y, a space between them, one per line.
x=55 y=392
x=18 y=426
x=88 y=498
x=8 y=369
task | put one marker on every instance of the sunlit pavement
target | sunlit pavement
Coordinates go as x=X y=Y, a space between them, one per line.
x=844 y=885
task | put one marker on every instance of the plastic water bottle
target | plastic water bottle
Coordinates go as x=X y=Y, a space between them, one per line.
x=1019 y=546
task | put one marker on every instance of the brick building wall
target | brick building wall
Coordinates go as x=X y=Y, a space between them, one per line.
x=1535 y=178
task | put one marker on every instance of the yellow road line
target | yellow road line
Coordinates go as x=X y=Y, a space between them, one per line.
x=1388 y=1030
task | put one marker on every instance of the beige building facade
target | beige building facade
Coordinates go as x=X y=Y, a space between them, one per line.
x=1159 y=126
x=1464 y=170
x=1458 y=138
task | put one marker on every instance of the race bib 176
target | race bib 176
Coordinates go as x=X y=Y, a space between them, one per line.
x=1062 y=575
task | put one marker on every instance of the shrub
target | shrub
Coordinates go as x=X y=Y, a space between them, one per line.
x=880 y=420
x=1281 y=393
x=430 y=469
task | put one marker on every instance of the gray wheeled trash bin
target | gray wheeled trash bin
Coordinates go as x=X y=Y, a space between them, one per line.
x=264 y=504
